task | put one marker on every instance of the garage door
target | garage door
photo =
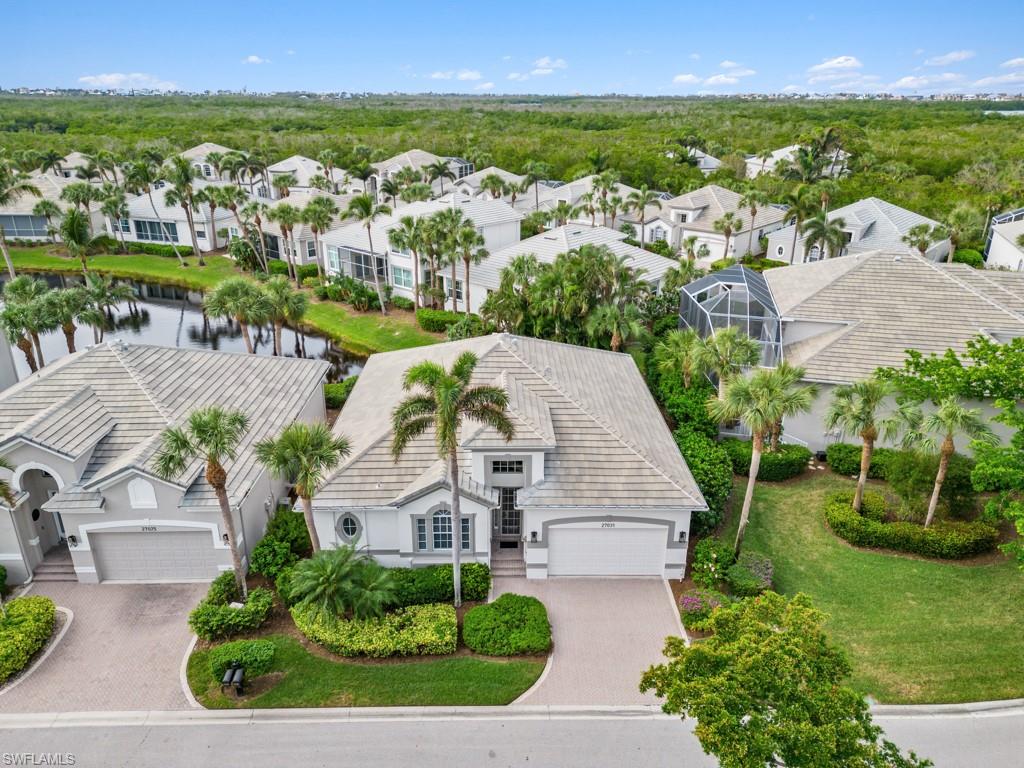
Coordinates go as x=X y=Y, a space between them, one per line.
x=606 y=551
x=167 y=556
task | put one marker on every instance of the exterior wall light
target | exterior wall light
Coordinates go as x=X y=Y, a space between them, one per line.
x=533 y=536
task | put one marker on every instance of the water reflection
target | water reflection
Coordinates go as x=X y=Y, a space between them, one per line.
x=168 y=316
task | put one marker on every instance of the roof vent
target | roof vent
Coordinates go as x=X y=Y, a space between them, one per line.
x=898 y=257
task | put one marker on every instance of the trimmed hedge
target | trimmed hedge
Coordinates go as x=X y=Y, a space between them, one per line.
x=946 y=540
x=289 y=526
x=437 y=320
x=417 y=630
x=511 y=625
x=750 y=575
x=433 y=584
x=712 y=469
x=844 y=459
x=307 y=270
x=688 y=407
x=336 y=394
x=789 y=461
x=256 y=656
x=214 y=617
x=970 y=257
x=271 y=556
x=400 y=302
x=25 y=630
x=277 y=267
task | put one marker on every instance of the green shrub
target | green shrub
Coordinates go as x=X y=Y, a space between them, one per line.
x=223 y=589
x=283 y=585
x=416 y=630
x=697 y=605
x=277 y=267
x=711 y=560
x=844 y=459
x=313 y=282
x=468 y=327
x=3 y=581
x=970 y=257
x=750 y=575
x=789 y=461
x=712 y=470
x=873 y=506
x=307 y=270
x=511 y=625
x=437 y=320
x=400 y=302
x=25 y=630
x=912 y=476
x=214 y=617
x=688 y=407
x=289 y=526
x=946 y=540
x=256 y=656
x=337 y=393
x=271 y=556
x=433 y=584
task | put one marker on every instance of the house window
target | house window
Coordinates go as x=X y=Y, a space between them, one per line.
x=682 y=218
x=233 y=231
x=332 y=259
x=441 y=530
x=201 y=233
x=311 y=250
x=780 y=250
x=123 y=225
x=658 y=234
x=507 y=499
x=421 y=534
x=154 y=230
x=402 y=277
x=141 y=494
x=458 y=288
x=348 y=528
x=207 y=171
x=433 y=533
x=504 y=467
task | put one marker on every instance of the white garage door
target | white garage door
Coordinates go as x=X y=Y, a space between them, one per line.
x=166 y=556
x=606 y=551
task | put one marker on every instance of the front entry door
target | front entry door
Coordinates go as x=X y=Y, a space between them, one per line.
x=510 y=519
x=58 y=521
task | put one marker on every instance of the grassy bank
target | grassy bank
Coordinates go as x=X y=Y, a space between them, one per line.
x=362 y=333
x=917 y=631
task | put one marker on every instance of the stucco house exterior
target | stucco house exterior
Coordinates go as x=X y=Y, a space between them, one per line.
x=82 y=436
x=301 y=247
x=1004 y=249
x=157 y=222
x=418 y=160
x=756 y=165
x=305 y=169
x=592 y=484
x=199 y=157
x=20 y=223
x=469 y=186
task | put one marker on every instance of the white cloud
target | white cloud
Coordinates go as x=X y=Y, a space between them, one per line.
x=124 y=81
x=254 y=59
x=518 y=76
x=685 y=79
x=1013 y=63
x=546 y=62
x=290 y=52
x=440 y=75
x=924 y=82
x=1010 y=78
x=483 y=86
x=721 y=80
x=918 y=51
x=949 y=58
x=468 y=74
x=695 y=56
x=727 y=64
x=793 y=89
x=839 y=62
x=541 y=71
x=742 y=72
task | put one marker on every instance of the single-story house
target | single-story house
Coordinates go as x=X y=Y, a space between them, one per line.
x=83 y=434
x=757 y=165
x=157 y=222
x=305 y=168
x=871 y=224
x=20 y=223
x=1004 y=249
x=592 y=484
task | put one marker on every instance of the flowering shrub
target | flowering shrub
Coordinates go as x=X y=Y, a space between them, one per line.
x=711 y=560
x=413 y=631
x=696 y=607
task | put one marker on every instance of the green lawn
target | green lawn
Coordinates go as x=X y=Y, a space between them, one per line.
x=917 y=631
x=313 y=681
x=359 y=333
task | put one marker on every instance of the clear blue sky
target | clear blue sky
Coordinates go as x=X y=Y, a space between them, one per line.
x=518 y=47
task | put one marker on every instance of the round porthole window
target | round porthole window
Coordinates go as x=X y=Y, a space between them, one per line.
x=780 y=250
x=35 y=515
x=348 y=527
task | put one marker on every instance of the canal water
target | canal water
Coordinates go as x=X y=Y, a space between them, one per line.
x=168 y=316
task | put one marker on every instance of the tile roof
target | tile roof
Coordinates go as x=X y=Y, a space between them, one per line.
x=473 y=180
x=713 y=202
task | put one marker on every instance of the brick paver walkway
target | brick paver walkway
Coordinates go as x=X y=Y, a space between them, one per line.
x=606 y=633
x=122 y=652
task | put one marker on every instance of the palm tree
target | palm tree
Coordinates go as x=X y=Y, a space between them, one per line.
x=328 y=159
x=140 y=177
x=284 y=305
x=319 y=215
x=49 y=210
x=638 y=202
x=286 y=216
x=588 y=205
x=444 y=400
x=252 y=212
x=727 y=225
x=211 y=435
x=255 y=166
x=12 y=186
x=210 y=196
x=923 y=236
x=239 y=299
x=14 y=318
x=303 y=454
x=469 y=244
x=115 y=208
x=409 y=236
x=181 y=175
x=80 y=194
x=437 y=170
x=67 y=306
x=74 y=231
x=751 y=200
x=534 y=172
x=52 y=160
x=801 y=206
x=689 y=247
x=789 y=395
x=494 y=184
x=390 y=188
x=342 y=582
x=606 y=183
x=854 y=410
x=613 y=207
x=366 y=211
x=963 y=222
x=415 y=192
x=949 y=419
x=26 y=297
x=562 y=212
x=826 y=190
x=103 y=294
x=622 y=321
x=828 y=235
x=676 y=355
x=725 y=354
x=764 y=156
x=283 y=182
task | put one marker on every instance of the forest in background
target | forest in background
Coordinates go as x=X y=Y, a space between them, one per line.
x=923 y=156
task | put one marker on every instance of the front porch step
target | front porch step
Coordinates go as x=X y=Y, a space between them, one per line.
x=507 y=569
x=37 y=576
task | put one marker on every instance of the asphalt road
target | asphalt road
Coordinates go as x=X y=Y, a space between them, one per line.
x=990 y=740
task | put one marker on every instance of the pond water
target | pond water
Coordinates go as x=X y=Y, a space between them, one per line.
x=168 y=316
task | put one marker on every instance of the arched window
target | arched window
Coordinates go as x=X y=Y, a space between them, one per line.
x=434 y=531
x=141 y=494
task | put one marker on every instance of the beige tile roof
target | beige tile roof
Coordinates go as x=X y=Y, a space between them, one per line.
x=713 y=202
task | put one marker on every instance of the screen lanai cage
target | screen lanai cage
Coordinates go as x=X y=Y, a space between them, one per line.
x=739 y=297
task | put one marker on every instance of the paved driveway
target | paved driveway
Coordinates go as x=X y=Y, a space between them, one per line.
x=123 y=650
x=606 y=633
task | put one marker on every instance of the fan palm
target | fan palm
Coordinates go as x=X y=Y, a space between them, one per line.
x=283 y=182
x=328 y=160
x=689 y=247
x=115 y=208
x=439 y=170
x=923 y=236
x=52 y=160
x=415 y=192
x=801 y=206
x=493 y=184
x=211 y=197
x=534 y=172
x=469 y=244
x=791 y=396
x=319 y=215
x=622 y=322
x=727 y=225
x=81 y=194
x=390 y=188
x=409 y=236
x=341 y=582
x=239 y=299
x=284 y=305
x=26 y=297
x=364 y=209
x=963 y=222
x=140 y=177
x=286 y=216
x=251 y=212
x=303 y=454
x=68 y=306
x=606 y=183
x=638 y=201
x=441 y=400
x=49 y=210
x=74 y=231
x=12 y=186
x=210 y=435
x=752 y=200
x=725 y=354
x=447 y=224
x=676 y=355
x=181 y=175
x=827 y=234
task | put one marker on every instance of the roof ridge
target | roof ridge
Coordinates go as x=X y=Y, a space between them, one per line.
x=46 y=412
x=116 y=348
x=935 y=267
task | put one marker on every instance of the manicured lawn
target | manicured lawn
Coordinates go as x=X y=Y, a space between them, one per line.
x=359 y=333
x=307 y=680
x=917 y=631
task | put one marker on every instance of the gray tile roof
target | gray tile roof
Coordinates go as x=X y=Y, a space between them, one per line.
x=121 y=397
x=608 y=444
x=875 y=306
x=713 y=202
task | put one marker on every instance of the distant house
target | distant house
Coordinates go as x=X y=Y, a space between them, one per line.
x=757 y=165
x=551 y=193
x=199 y=154
x=20 y=223
x=418 y=160
x=592 y=484
x=305 y=169
x=1004 y=249
x=694 y=215
x=870 y=224
x=168 y=223
x=469 y=186
x=701 y=160
x=302 y=246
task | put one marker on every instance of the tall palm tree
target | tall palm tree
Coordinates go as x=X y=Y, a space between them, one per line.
x=923 y=236
x=252 y=212
x=622 y=321
x=683 y=273
x=211 y=197
x=963 y=222
x=828 y=234
x=103 y=294
x=68 y=306
x=319 y=215
x=27 y=296
x=728 y=224
x=445 y=398
x=283 y=182
x=390 y=189
x=13 y=184
x=140 y=177
x=764 y=156
x=74 y=231
x=286 y=216
x=801 y=206
x=49 y=210
x=438 y=170
x=689 y=247
x=725 y=354
x=415 y=192
x=752 y=200
x=562 y=212
x=638 y=201
x=791 y=396
x=676 y=355
x=303 y=454
x=949 y=419
x=606 y=183
x=284 y=305
x=328 y=160
x=52 y=160
x=115 y=208
x=469 y=244
x=364 y=209
x=181 y=175
x=447 y=224
x=534 y=172
x=409 y=236
x=14 y=318
x=493 y=184
x=239 y=299
x=211 y=435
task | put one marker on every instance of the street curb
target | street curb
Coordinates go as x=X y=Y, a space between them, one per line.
x=981 y=708
x=183 y=675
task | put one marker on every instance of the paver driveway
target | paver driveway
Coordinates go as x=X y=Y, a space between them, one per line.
x=123 y=650
x=606 y=632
